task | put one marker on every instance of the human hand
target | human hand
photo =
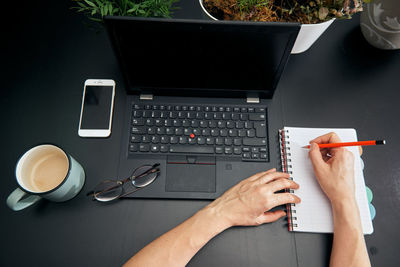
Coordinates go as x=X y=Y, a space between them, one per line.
x=334 y=168
x=249 y=202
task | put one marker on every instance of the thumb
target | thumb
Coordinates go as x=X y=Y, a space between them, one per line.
x=316 y=157
x=270 y=216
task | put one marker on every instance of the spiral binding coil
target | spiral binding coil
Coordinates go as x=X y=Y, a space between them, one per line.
x=287 y=167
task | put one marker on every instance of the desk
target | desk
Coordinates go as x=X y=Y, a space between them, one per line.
x=340 y=82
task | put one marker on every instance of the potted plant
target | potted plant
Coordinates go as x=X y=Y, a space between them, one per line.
x=97 y=9
x=315 y=16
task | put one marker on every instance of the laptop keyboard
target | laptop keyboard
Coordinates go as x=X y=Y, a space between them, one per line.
x=229 y=131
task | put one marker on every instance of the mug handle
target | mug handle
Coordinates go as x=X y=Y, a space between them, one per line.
x=15 y=203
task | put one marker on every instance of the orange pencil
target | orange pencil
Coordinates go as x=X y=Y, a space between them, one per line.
x=360 y=143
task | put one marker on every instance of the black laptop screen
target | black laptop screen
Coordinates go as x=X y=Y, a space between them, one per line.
x=176 y=54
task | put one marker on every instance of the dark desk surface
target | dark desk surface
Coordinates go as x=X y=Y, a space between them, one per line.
x=49 y=52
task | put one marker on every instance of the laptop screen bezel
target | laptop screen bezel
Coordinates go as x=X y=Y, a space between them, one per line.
x=292 y=29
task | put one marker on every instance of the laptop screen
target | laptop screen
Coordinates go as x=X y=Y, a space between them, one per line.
x=166 y=54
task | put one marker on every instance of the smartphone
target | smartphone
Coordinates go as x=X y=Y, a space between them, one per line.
x=97 y=108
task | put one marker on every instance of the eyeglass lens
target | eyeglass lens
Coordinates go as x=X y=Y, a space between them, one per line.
x=143 y=176
x=107 y=191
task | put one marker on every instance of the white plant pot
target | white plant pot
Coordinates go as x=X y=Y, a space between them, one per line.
x=308 y=34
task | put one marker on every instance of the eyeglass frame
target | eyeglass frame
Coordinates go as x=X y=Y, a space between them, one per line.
x=154 y=169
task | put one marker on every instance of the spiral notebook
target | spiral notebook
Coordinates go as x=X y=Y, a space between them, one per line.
x=314 y=213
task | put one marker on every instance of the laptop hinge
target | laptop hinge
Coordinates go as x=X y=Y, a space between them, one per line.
x=146 y=97
x=253 y=100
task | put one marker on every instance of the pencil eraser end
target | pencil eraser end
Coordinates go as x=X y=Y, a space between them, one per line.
x=380 y=142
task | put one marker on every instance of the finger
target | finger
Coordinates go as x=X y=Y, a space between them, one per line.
x=270 y=216
x=327 y=138
x=316 y=157
x=282 y=183
x=258 y=175
x=285 y=198
x=271 y=177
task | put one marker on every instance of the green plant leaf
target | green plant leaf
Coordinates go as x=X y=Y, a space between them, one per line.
x=90 y=3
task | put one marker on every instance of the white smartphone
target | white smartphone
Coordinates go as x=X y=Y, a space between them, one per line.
x=97 y=108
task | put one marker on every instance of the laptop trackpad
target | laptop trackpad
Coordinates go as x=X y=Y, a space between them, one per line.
x=190 y=174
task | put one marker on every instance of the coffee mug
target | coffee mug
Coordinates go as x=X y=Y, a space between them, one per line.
x=46 y=171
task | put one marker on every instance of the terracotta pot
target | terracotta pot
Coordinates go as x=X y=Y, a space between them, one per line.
x=308 y=34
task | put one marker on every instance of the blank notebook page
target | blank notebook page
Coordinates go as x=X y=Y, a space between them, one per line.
x=314 y=213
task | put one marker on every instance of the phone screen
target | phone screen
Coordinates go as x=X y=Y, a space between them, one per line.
x=97 y=107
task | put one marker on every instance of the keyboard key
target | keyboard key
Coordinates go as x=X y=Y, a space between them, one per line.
x=251 y=133
x=146 y=139
x=160 y=130
x=183 y=140
x=228 y=150
x=242 y=133
x=248 y=125
x=254 y=142
x=219 y=141
x=246 y=155
x=149 y=122
x=237 y=142
x=257 y=117
x=138 y=130
x=263 y=155
x=255 y=155
x=155 y=148
x=185 y=123
x=134 y=147
x=164 y=148
x=239 y=125
x=136 y=139
x=237 y=150
x=214 y=132
x=201 y=140
x=155 y=139
x=250 y=109
x=235 y=116
x=137 y=113
x=144 y=148
x=219 y=150
x=221 y=124
x=261 y=110
x=233 y=132
x=228 y=141
x=191 y=149
x=164 y=139
x=203 y=124
x=223 y=132
x=205 y=132
x=261 y=129
x=174 y=140
x=230 y=124
x=210 y=140
x=158 y=122
x=179 y=131
x=244 y=117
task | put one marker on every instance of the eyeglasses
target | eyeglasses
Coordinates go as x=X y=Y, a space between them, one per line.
x=112 y=189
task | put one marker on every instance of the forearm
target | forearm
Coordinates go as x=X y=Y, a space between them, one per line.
x=348 y=247
x=179 y=245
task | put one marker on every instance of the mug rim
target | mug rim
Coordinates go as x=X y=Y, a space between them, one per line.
x=51 y=190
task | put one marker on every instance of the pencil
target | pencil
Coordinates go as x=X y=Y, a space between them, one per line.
x=360 y=143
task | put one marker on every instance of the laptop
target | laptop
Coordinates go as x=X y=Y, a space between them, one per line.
x=199 y=100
